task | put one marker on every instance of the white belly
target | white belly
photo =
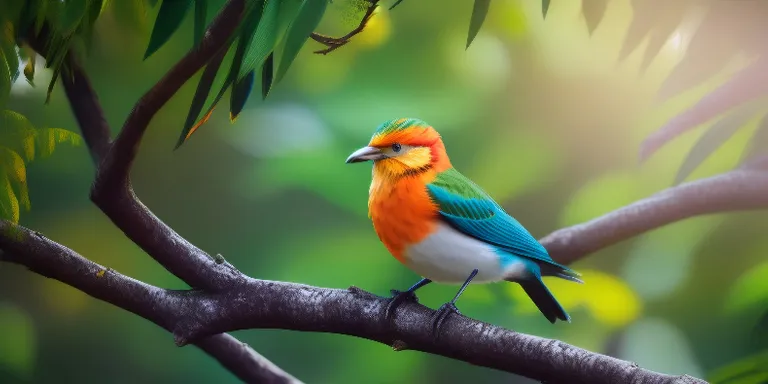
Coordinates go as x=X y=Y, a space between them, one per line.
x=449 y=256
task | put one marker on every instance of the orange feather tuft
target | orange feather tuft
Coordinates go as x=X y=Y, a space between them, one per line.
x=401 y=210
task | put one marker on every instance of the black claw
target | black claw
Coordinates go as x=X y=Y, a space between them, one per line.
x=441 y=314
x=398 y=298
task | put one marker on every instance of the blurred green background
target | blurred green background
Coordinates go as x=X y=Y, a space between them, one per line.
x=538 y=112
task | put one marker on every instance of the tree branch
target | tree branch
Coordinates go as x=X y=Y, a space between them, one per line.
x=234 y=355
x=112 y=191
x=163 y=307
x=192 y=315
x=737 y=190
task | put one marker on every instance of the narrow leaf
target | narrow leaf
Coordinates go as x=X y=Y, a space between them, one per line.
x=713 y=138
x=758 y=144
x=168 y=20
x=240 y=93
x=201 y=9
x=5 y=81
x=16 y=171
x=747 y=84
x=267 y=74
x=544 y=8
x=51 y=84
x=711 y=48
x=251 y=19
x=29 y=70
x=71 y=15
x=479 y=12
x=593 y=11
x=9 y=204
x=263 y=42
x=8 y=47
x=241 y=88
x=17 y=133
x=201 y=94
x=307 y=19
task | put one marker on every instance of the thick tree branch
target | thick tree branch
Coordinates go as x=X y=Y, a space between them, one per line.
x=234 y=355
x=253 y=303
x=163 y=307
x=113 y=194
x=741 y=189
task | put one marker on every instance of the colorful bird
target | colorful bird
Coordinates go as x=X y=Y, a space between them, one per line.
x=444 y=227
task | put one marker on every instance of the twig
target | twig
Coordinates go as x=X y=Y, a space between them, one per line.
x=334 y=43
x=270 y=304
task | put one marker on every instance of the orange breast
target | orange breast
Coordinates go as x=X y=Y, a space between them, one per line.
x=401 y=211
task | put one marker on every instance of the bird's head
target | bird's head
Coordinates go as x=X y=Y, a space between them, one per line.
x=403 y=147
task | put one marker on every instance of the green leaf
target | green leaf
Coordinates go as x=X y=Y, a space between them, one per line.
x=201 y=94
x=29 y=70
x=92 y=14
x=16 y=171
x=47 y=139
x=243 y=34
x=241 y=88
x=745 y=370
x=479 y=12
x=201 y=9
x=544 y=8
x=593 y=11
x=9 y=205
x=307 y=19
x=713 y=138
x=71 y=15
x=267 y=75
x=168 y=20
x=17 y=133
x=5 y=82
x=240 y=92
x=8 y=47
x=263 y=41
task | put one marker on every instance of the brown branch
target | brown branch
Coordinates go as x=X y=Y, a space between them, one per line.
x=163 y=307
x=191 y=315
x=234 y=355
x=112 y=191
x=334 y=43
x=737 y=190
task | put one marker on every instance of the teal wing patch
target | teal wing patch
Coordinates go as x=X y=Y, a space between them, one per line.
x=466 y=207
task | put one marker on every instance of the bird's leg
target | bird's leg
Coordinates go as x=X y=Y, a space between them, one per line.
x=399 y=297
x=450 y=307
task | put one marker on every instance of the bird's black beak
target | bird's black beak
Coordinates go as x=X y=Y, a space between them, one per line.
x=365 y=154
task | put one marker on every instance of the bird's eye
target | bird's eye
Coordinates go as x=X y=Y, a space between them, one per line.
x=396 y=147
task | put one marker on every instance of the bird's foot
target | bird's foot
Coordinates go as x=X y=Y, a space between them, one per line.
x=441 y=314
x=399 y=297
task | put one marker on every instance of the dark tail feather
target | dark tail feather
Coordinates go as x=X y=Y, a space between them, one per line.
x=561 y=272
x=542 y=297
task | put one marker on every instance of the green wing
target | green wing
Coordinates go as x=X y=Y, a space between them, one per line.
x=466 y=207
